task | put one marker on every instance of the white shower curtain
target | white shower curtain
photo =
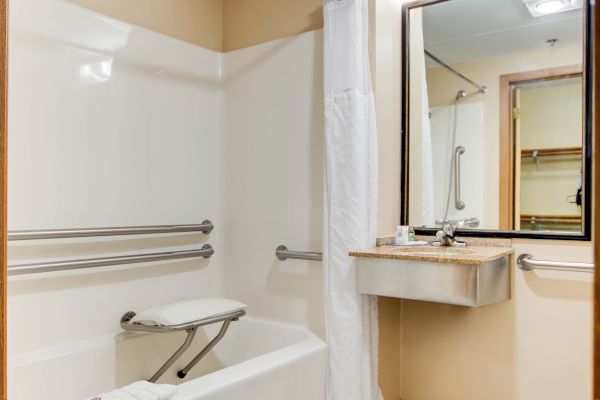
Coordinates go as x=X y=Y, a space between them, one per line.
x=419 y=81
x=350 y=201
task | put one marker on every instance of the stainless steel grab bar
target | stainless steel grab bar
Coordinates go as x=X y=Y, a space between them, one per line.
x=22 y=269
x=458 y=203
x=527 y=263
x=283 y=254
x=205 y=227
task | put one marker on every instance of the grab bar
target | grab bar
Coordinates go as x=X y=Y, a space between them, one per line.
x=22 y=269
x=206 y=227
x=526 y=262
x=459 y=204
x=283 y=254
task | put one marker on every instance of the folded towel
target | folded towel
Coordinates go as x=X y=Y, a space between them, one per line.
x=141 y=390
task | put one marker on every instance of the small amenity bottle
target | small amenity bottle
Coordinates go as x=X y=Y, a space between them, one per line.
x=401 y=235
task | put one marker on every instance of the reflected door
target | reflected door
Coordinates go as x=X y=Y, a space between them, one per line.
x=548 y=141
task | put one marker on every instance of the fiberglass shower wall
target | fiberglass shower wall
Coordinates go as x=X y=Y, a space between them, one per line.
x=469 y=134
x=110 y=125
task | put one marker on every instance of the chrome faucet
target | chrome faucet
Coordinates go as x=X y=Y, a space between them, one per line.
x=446 y=237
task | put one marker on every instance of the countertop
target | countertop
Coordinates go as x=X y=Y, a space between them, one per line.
x=470 y=255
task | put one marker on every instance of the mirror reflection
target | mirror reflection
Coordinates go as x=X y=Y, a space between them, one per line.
x=496 y=117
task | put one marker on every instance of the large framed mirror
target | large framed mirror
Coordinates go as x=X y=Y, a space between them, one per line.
x=496 y=118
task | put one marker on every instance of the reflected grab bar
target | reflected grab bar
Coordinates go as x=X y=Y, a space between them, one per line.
x=526 y=262
x=22 y=269
x=283 y=254
x=458 y=203
x=206 y=227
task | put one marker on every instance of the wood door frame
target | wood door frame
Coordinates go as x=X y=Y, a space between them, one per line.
x=3 y=188
x=595 y=15
x=507 y=132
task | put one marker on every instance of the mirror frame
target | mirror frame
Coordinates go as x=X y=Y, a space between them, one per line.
x=587 y=74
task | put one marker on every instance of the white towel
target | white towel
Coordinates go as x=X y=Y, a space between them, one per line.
x=141 y=390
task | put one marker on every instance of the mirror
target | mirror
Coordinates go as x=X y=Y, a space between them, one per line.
x=496 y=130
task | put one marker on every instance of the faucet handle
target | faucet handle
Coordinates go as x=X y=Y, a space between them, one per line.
x=459 y=243
x=446 y=237
x=448 y=230
x=439 y=239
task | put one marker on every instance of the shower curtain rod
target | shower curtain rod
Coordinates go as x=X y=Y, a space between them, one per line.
x=480 y=88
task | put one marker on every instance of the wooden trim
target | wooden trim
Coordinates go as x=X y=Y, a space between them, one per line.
x=3 y=188
x=555 y=151
x=516 y=169
x=561 y=219
x=506 y=203
x=507 y=145
x=544 y=74
x=595 y=22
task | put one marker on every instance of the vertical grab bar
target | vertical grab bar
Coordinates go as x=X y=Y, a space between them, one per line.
x=458 y=203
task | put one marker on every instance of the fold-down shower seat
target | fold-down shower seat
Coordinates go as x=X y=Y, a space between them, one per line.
x=185 y=316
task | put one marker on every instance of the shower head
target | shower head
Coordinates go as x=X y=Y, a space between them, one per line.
x=460 y=94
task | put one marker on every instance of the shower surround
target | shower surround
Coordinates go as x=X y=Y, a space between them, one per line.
x=115 y=125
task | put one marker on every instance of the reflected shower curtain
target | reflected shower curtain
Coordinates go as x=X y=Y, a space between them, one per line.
x=350 y=201
x=421 y=114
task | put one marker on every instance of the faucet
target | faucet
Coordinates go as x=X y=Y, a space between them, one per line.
x=446 y=237
x=468 y=222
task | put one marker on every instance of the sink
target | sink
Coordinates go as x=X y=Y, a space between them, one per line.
x=469 y=276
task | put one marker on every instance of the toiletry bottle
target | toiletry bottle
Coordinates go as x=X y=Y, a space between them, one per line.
x=411 y=234
x=401 y=235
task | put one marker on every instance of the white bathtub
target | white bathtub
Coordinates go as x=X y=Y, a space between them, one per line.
x=257 y=359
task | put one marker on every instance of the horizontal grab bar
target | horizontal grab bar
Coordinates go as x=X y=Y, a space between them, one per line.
x=283 y=254
x=527 y=263
x=206 y=227
x=22 y=269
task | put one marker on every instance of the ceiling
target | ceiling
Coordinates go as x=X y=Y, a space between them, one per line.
x=458 y=31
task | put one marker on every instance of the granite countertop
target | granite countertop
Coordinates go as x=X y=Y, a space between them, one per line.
x=470 y=255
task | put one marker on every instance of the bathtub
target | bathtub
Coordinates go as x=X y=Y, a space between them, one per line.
x=257 y=359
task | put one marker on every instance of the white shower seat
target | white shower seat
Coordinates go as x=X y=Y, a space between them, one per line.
x=185 y=315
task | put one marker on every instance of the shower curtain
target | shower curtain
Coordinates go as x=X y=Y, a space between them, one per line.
x=421 y=115
x=350 y=201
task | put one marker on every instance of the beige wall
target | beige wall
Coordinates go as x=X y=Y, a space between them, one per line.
x=221 y=25
x=390 y=347
x=249 y=22
x=536 y=346
x=387 y=83
x=545 y=192
x=386 y=64
x=196 y=21
x=552 y=115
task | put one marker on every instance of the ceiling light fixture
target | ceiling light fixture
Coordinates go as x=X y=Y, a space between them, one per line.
x=540 y=8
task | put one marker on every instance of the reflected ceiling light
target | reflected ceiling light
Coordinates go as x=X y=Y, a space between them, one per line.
x=539 y=8
x=550 y=6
